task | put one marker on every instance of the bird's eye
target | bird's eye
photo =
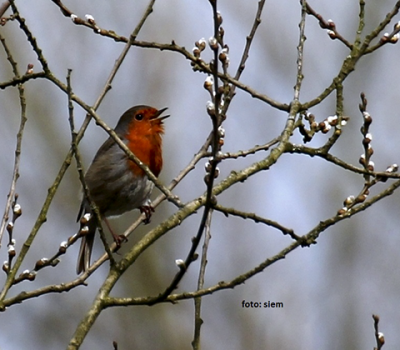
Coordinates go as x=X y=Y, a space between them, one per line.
x=139 y=116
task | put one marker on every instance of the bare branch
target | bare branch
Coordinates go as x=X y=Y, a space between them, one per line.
x=257 y=219
x=200 y=284
x=380 y=338
x=12 y=193
x=328 y=25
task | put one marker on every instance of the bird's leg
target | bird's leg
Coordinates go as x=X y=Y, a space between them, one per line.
x=118 y=239
x=147 y=210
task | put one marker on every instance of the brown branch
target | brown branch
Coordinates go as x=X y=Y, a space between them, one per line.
x=257 y=219
x=300 y=52
x=22 y=79
x=379 y=337
x=12 y=193
x=350 y=62
x=200 y=284
x=253 y=150
x=386 y=38
x=317 y=152
x=245 y=56
x=249 y=40
x=31 y=39
x=54 y=288
x=328 y=25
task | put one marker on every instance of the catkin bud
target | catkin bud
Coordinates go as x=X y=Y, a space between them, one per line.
x=213 y=43
x=331 y=34
x=201 y=44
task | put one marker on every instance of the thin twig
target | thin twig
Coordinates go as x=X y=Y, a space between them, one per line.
x=15 y=176
x=200 y=284
x=22 y=79
x=300 y=51
x=249 y=40
x=253 y=150
x=385 y=39
x=30 y=37
x=318 y=152
x=350 y=61
x=379 y=337
x=329 y=25
x=257 y=219
x=245 y=56
x=361 y=23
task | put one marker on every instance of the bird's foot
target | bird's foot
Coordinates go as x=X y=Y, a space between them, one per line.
x=119 y=239
x=148 y=210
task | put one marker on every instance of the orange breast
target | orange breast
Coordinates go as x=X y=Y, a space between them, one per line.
x=147 y=147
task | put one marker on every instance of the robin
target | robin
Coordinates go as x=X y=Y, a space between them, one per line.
x=117 y=184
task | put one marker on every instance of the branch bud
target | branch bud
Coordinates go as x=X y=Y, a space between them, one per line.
x=201 y=44
x=332 y=120
x=90 y=19
x=11 y=250
x=331 y=24
x=362 y=159
x=210 y=109
x=213 y=43
x=331 y=34
x=17 y=210
x=40 y=263
x=209 y=83
x=180 y=263
x=196 y=52
x=29 y=69
x=367 y=118
x=394 y=39
x=381 y=338
x=342 y=211
x=392 y=169
x=63 y=247
x=221 y=131
x=349 y=201
x=219 y=18
x=6 y=267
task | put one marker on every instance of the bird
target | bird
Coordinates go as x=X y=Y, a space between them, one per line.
x=117 y=184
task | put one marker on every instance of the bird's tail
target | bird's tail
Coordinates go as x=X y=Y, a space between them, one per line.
x=87 y=231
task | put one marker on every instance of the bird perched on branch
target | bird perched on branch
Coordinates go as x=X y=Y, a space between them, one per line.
x=117 y=184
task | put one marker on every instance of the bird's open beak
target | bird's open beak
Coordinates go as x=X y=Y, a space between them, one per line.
x=157 y=115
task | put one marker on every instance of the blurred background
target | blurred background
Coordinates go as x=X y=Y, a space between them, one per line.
x=329 y=290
